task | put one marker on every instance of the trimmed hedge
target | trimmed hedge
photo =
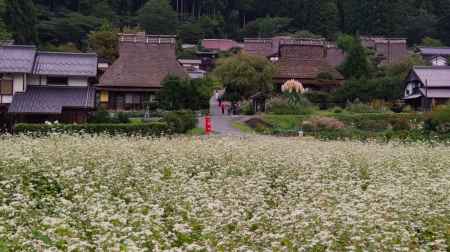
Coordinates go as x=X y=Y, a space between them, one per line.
x=181 y=121
x=148 y=129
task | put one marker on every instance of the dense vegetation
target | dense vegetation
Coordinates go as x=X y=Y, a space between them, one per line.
x=52 y=23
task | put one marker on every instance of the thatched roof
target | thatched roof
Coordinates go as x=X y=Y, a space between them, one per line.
x=144 y=62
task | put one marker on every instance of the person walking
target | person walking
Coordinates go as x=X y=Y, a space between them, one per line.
x=222 y=107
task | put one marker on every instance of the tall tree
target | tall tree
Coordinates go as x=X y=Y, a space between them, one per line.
x=21 y=18
x=158 y=17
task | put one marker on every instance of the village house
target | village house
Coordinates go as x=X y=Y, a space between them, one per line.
x=427 y=86
x=135 y=77
x=270 y=48
x=306 y=62
x=221 y=45
x=387 y=50
x=41 y=86
x=436 y=56
x=193 y=68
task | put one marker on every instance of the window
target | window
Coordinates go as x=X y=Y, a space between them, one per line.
x=57 y=80
x=6 y=87
x=104 y=96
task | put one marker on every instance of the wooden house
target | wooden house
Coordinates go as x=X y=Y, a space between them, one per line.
x=387 y=50
x=46 y=86
x=306 y=62
x=427 y=86
x=436 y=56
x=135 y=77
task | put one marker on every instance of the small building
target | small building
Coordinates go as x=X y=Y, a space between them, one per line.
x=41 y=86
x=436 y=56
x=427 y=86
x=135 y=77
x=306 y=63
x=221 y=45
x=192 y=67
x=387 y=50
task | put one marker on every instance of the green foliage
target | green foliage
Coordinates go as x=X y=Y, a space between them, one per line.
x=431 y=42
x=357 y=64
x=181 y=121
x=439 y=119
x=282 y=106
x=323 y=99
x=72 y=27
x=266 y=27
x=105 y=42
x=21 y=18
x=383 y=88
x=147 y=129
x=158 y=17
x=68 y=47
x=179 y=93
x=244 y=75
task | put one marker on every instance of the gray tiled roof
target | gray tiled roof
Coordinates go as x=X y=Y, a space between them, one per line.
x=434 y=50
x=433 y=76
x=17 y=59
x=67 y=64
x=52 y=100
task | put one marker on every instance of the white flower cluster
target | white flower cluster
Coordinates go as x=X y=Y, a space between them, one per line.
x=83 y=193
x=293 y=86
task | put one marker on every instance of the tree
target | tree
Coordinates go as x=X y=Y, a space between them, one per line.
x=105 y=42
x=179 y=93
x=244 y=75
x=158 y=17
x=21 y=19
x=357 y=63
x=431 y=42
x=267 y=27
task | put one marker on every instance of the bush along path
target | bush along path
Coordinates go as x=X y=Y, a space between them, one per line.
x=222 y=123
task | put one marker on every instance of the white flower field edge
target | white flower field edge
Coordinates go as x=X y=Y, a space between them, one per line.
x=75 y=193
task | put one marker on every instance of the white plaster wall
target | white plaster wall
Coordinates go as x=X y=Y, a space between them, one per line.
x=18 y=83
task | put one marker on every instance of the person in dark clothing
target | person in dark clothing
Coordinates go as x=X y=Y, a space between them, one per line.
x=222 y=106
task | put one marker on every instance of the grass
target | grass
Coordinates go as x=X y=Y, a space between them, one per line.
x=244 y=128
x=196 y=132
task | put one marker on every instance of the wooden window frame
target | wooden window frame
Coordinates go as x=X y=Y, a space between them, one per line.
x=10 y=90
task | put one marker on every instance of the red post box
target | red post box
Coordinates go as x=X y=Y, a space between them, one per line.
x=208 y=125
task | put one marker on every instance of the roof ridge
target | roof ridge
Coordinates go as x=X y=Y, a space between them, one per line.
x=68 y=53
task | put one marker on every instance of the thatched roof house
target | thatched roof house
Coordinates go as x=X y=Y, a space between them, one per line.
x=144 y=62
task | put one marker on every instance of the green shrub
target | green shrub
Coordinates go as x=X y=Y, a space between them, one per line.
x=359 y=107
x=322 y=99
x=148 y=129
x=439 y=120
x=281 y=106
x=101 y=116
x=181 y=121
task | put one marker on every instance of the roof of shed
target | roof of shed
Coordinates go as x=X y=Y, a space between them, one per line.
x=66 y=64
x=17 y=59
x=52 y=100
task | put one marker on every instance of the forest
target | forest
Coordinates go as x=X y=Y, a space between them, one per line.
x=68 y=23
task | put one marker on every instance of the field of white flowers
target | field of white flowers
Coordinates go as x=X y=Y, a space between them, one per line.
x=222 y=194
